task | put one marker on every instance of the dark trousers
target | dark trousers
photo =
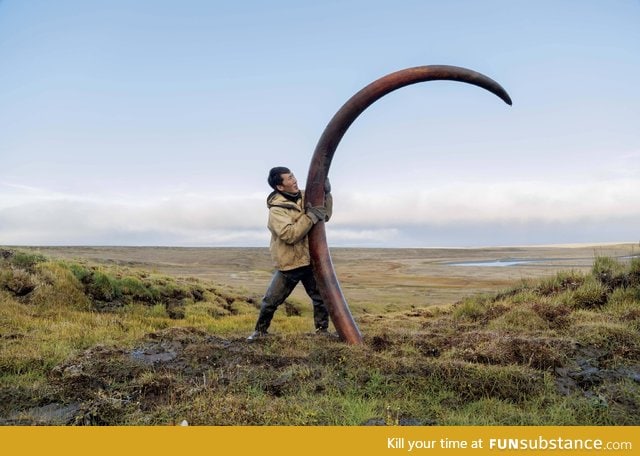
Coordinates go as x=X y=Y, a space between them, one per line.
x=281 y=286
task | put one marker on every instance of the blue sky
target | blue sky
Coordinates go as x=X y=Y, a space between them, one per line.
x=155 y=122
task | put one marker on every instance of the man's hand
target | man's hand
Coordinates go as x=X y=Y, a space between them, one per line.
x=316 y=213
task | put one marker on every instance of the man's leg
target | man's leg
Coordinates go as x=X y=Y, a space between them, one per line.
x=320 y=312
x=280 y=288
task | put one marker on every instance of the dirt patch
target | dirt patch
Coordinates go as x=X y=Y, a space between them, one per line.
x=586 y=371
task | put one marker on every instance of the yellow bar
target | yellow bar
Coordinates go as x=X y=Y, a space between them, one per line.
x=325 y=441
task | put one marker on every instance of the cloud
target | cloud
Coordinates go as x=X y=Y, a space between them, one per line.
x=35 y=216
x=503 y=202
x=362 y=237
x=453 y=214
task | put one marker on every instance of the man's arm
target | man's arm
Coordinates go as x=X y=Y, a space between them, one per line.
x=290 y=229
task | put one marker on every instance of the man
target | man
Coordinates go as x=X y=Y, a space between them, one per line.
x=289 y=223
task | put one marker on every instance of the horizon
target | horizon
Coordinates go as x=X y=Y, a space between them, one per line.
x=266 y=247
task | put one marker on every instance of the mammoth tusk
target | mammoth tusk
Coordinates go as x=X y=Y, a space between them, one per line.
x=321 y=161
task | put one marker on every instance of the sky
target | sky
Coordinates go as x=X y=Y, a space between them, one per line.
x=156 y=122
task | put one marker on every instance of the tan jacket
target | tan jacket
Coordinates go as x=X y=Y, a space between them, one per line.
x=289 y=225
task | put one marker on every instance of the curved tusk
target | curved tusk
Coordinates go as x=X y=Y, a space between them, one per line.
x=321 y=161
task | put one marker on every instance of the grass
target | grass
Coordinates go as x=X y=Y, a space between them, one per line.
x=120 y=345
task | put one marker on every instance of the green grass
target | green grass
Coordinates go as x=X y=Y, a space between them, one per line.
x=127 y=346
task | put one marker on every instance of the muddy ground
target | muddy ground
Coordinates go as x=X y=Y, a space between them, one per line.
x=104 y=385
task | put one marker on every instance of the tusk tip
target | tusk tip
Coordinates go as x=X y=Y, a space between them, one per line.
x=506 y=98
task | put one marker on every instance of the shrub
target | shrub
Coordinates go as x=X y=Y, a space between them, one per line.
x=82 y=273
x=470 y=309
x=520 y=318
x=623 y=297
x=624 y=303
x=562 y=281
x=555 y=313
x=134 y=289
x=617 y=339
x=634 y=272
x=25 y=260
x=479 y=381
x=609 y=272
x=17 y=281
x=59 y=288
x=103 y=287
x=592 y=293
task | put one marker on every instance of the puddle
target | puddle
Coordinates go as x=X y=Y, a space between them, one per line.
x=504 y=262
x=153 y=356
x=52 y=415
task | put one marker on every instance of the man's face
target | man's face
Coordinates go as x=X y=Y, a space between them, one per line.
x=289 y=183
